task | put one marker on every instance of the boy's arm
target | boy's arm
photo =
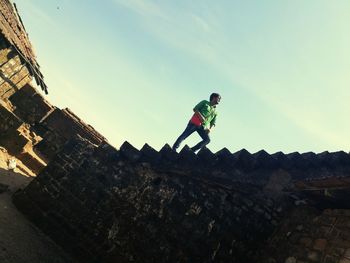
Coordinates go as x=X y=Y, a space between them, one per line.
x=213 y=122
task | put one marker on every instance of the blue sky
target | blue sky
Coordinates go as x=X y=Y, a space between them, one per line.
x=134 y=69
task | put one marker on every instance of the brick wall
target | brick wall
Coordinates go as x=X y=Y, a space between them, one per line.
x=15 y=37
x=13 y=73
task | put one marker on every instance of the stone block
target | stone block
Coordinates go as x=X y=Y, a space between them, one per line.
x=306 y=242
x=347 y=253
x=32 y=161
x=320 y=244
x=30 y=105
x=314 y=256
x=8 y=121
x=68 y=125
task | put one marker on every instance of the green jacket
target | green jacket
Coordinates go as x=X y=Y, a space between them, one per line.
x=208 y=112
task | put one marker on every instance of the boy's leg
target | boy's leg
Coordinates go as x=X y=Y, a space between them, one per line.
x=187 y=132
x=205 y=139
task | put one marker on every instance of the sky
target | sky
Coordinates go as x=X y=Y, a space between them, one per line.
x=134 y=69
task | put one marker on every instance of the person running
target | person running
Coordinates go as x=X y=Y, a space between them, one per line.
x=202 y=121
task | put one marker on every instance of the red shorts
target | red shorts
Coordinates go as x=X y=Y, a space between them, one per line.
x=196 y=120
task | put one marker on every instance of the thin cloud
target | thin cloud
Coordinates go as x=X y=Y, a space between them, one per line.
x=185 y=31
x=202 y=23
x=142 y=7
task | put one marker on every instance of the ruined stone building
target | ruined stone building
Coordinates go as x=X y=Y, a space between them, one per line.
x=103 y=204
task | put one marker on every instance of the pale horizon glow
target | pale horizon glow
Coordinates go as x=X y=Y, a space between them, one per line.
x=134 y=69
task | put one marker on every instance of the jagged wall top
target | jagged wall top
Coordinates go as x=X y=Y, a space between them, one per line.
x=240 y=159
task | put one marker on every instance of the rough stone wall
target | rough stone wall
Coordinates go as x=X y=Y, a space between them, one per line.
x=9 y=125
x=21 y=102
x=58 y=127
x=41 y=129
x=16 y=136
x=17 y=67
x=29 y=105
x=310 y=236
x=104 y=205
x=37 y=116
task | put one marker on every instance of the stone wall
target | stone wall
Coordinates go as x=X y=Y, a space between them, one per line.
x=58 y=127
x=15 y=134
x=17 y=67
x=17 y=137
x=34 y=131
x=21 y=103
x=30 y=105
x=9 y=125
x=308 y=235
x=104 y=205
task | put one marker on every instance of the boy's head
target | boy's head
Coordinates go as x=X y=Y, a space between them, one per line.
x=214 y=98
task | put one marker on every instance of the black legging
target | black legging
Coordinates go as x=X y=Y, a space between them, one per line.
x=191 y=128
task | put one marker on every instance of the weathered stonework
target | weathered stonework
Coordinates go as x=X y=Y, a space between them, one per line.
x=17 y=67
x=29 y=105
x=104 y=205
x=309 y=235
x=32 y=129
x=9 y=125
x=58 y=127
x=19 y=140
x=133 y=210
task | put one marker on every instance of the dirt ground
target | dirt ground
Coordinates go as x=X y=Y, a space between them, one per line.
x=20 y=240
